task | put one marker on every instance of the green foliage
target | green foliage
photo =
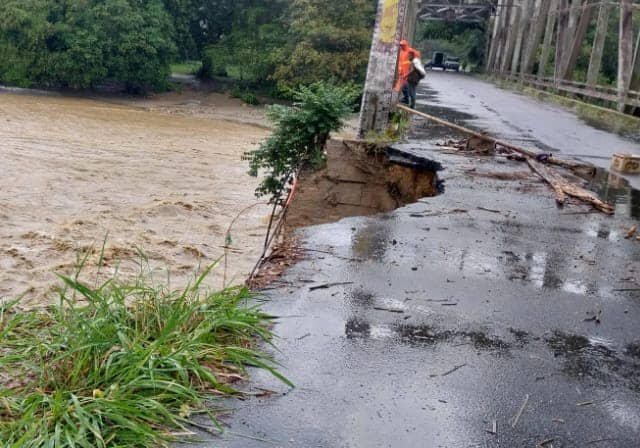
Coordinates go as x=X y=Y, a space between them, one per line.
x=187 y=67
x=299 y=135
x=125 y=367
x=329 y=40
x=244 y=95
x=79 y=43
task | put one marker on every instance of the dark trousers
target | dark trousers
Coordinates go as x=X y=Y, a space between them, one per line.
x=409 y=94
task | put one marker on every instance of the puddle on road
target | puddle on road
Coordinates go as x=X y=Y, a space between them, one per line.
x=590 y=359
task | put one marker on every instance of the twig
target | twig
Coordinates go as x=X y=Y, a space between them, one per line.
x=545 y=442
x=329 y=285
x=390 y=310
x=488 y=210
x=303 y=336
x=609 y=439
x=519 y=414
x=584 y=403
x=456 y=368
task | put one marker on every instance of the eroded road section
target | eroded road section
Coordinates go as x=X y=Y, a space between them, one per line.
x=482 y=317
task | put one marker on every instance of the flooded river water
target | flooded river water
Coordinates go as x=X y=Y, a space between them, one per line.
x=163 y=177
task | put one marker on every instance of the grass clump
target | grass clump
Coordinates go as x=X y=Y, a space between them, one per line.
x=124 y=367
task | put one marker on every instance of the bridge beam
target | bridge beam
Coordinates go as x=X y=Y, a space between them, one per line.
x=395 y=20
x=625 y=52
x=595 y=61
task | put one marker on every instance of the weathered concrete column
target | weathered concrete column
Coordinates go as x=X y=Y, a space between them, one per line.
x=379 y=97
x=595 y=60
x=625 y=52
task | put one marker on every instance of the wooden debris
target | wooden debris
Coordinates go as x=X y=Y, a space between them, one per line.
x=631 y=232
x=488 y=210
x=516 y=419
x=584 y=403
x=455 y=369
x=494 y=427
x=549 y=177
x=558 y=420
x=496 y=142
x=544 y=443
x=329 y=285
x=561 y=186
x=390 y=310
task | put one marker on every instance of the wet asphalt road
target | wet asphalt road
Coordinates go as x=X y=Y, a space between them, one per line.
x=484 y=303
x=525 y=120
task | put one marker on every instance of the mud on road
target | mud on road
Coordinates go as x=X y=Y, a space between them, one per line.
x=163 y=177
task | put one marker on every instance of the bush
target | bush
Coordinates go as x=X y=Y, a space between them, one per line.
x=299 y=135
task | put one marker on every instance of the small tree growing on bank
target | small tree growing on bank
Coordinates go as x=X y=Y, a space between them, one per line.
x=299 y=135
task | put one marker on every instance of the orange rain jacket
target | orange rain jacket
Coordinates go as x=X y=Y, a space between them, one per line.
x=404 y=64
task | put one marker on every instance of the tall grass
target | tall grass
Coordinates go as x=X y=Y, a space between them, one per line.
x=125 y=366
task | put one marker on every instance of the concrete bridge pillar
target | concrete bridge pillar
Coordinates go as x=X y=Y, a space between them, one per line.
x=395 y=21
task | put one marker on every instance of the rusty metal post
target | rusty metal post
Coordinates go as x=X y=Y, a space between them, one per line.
x=379 y=97
x=625 y=52
x=595 y=61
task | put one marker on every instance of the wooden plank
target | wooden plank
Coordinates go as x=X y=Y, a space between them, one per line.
x=576 y=41
x=625 y=51
x=548 y=37
x=595 y=61
x=550 y=178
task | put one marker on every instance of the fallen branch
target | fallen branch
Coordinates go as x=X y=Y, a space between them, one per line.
x=329 y=285
x=553 y=160
x=456 y=368
x=549 y=177
x=561 y=186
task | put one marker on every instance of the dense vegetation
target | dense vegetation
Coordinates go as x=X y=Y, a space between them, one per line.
x=275 y=44
x=127 y=367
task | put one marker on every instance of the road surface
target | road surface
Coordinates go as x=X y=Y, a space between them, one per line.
x=482 y=317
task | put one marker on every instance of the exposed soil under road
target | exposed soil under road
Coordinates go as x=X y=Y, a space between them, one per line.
x=160 y=175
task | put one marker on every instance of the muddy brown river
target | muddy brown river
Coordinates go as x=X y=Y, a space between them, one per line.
x=163 y=177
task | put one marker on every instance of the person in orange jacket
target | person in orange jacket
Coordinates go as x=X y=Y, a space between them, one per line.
x=404 y=64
